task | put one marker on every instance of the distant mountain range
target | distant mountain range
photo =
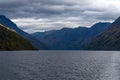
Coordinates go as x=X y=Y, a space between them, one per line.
x=10 y=40
x=8 y=23
x=71 y=38
x=109 y=39
x=100 y=36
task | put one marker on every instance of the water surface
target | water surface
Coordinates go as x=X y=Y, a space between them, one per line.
x=60 y=65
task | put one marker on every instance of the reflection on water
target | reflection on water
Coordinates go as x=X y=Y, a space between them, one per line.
x=59 y=65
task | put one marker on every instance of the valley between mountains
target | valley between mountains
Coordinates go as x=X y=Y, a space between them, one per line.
x=100 y=36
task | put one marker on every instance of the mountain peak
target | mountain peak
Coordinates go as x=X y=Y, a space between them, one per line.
x=2 y=16
x=118 y=19
x=101 y=24
x=12 y=26
x=116 y=23
x=7 y=22
x=109 y=39
x=65 y=28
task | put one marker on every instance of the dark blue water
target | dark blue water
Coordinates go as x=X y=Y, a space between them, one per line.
x=60 y=65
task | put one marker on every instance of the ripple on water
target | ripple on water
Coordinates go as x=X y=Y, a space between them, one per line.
x=59 y=65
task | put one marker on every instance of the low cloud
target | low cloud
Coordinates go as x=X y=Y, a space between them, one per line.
x=42 y=15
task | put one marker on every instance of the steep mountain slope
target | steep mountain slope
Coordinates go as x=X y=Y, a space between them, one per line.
x=70 y=39
x=10 y=40
x=7 y=22
x=109 y=39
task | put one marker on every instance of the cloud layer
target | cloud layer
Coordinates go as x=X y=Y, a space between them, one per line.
x=42 y=15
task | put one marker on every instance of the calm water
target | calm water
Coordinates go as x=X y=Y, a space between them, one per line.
x=59 y=65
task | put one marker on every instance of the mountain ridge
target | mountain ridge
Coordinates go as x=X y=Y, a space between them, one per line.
x=70 y=38
x=7 y=22
x=109 y=39
x=10 y=40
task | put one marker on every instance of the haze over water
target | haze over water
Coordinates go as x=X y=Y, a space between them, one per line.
x=60 y=65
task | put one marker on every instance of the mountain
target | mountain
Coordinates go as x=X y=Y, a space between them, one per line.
x=7 y=22
x=109 y=39
x=70 y=38
x=10 y=40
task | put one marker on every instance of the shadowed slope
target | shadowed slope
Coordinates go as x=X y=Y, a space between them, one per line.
x=10 y=40
x=109 y=39
x=7 y=22
x=71 y=38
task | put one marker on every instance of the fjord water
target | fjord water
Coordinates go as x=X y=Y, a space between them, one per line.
x=60 y=65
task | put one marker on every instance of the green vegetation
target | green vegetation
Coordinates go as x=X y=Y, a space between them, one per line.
x=10 y=40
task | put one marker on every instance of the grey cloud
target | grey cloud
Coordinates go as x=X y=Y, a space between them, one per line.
x=38 y=8
x=84 y=12
x=12 y=4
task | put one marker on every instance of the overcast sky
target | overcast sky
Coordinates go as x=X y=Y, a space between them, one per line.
x=41 y=15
